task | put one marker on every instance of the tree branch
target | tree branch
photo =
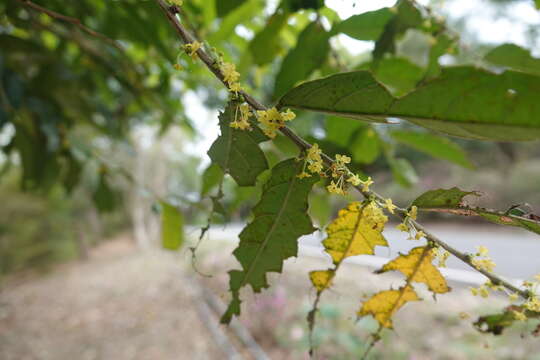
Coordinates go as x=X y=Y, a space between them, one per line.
x=71 y=20
x=171 y=11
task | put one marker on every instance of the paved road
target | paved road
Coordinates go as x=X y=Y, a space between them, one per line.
x=515 y=251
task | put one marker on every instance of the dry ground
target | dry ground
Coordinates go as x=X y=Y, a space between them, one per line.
x=127 y=304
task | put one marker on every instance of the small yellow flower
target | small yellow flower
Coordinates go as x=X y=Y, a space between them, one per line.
x=518 y=315
x=533 y=304
x=413 y=213
x=474 y=291
x=230 y=75
x=177 y=67
x=403 y=227
x=482 y=250
x=389 y=205
x=288 y=115
x=366 y=184
x=419 y=234
x=192 y=49
x=354 y=179
x=341 y=160
x=333 y=188
x=513 y=297
x=235 y=87
x=443 y=256
x=273 y=120
x=314 y=153
x=303 y=174
x=483 y=264
x=315 y=167
x=484 y=292
x=242 y=122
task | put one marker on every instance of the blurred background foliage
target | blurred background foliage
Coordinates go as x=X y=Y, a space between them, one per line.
x=94 y=129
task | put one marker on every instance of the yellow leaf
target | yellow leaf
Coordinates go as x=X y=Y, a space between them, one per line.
x=321 y=279
x=384 y=304
x=356 y=231
x=417 y=266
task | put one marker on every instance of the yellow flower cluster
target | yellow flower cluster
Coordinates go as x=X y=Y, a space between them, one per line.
x=374 y=216
x=484 y=290
x=343 y=176
x=533 y=304
x=406 y=225
x=241 y=118
x=192 y=49
x=273 y=120
x=481 y=260
x=313 y=162
x=441 y=255
x=230 y=75
x=518 y=315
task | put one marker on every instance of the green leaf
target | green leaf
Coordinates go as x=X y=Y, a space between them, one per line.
x=365 y=149
x=514 y=57
x=365 y=26
x=474 y=103
x=399 y=74
x=451 y=201
x=355 y=94
x=279 y=219
x=229 y=23
x=402 y=171
x=442 y=198
x=295 y=5
x=444 y=44
x=211 y=177
x=172 y=227
x=436 y=146
x=237 y=152
x=266 y=44
x=340 y=131
x=407 y=17
x=463 y=101
x=223 y=7
x=537 y=4
x=310 y=52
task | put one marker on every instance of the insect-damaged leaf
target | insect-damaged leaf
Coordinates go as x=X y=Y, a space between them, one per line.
x=384 y=304
x=463 y=101
x=497 y=323
x=354 y=232
x=321 y=279
x=280 y=218
x=451 y=201
x=417 y=266
x=237 y=152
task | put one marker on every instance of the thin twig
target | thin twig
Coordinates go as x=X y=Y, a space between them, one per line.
x=71 y=20
x=187 y=38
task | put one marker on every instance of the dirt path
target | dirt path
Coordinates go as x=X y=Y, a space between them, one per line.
x=121 y=304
